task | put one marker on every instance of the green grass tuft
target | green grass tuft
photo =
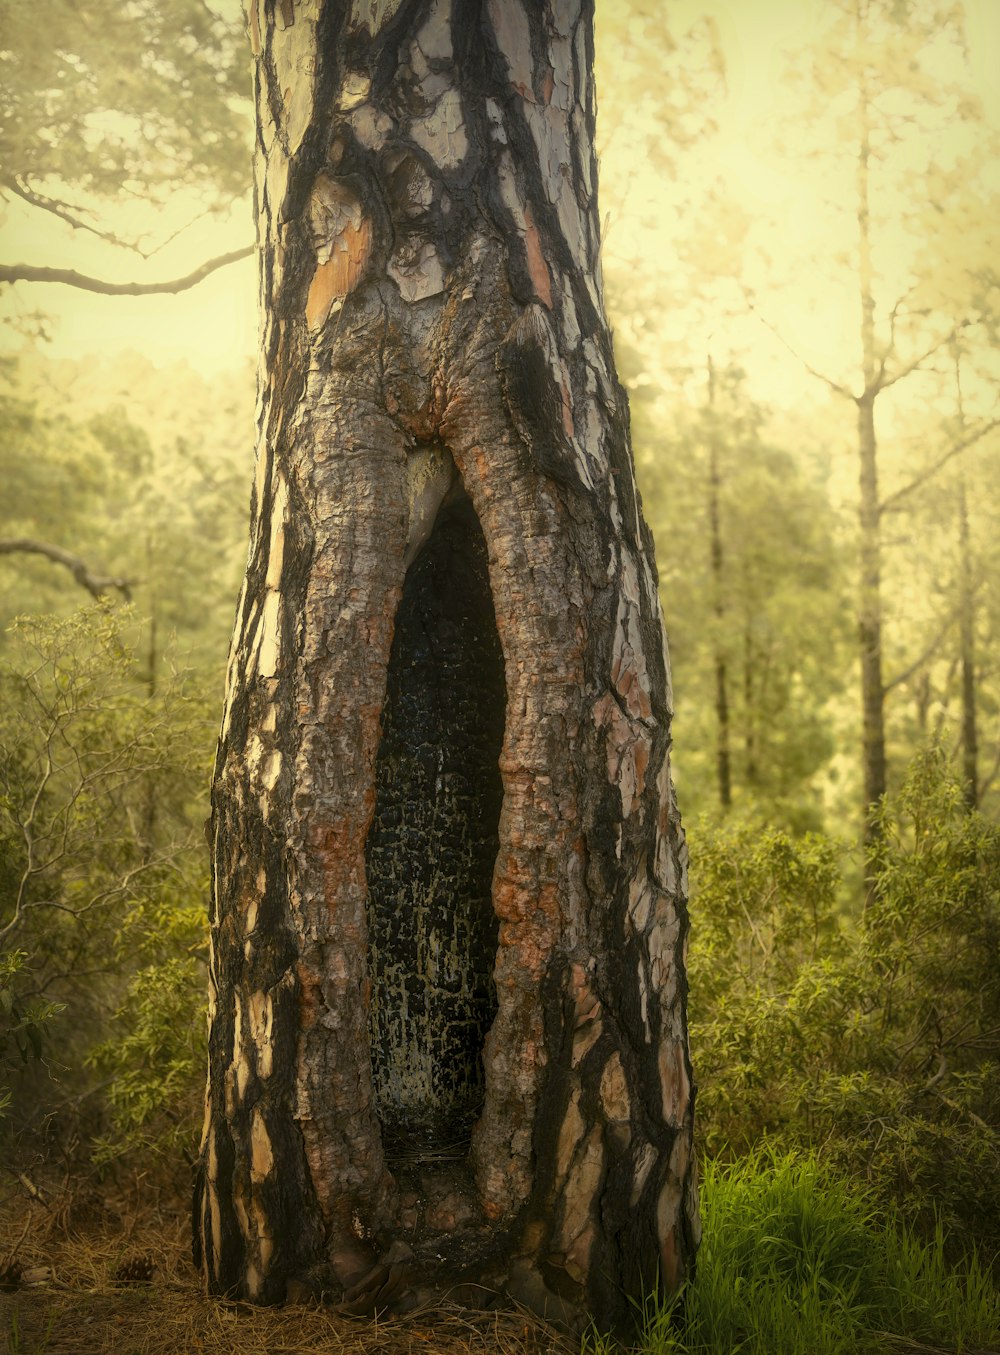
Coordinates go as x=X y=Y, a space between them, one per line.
x=796 y=1260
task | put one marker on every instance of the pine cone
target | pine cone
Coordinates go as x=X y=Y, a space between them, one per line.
x=11 y=1275
x=136 y=1270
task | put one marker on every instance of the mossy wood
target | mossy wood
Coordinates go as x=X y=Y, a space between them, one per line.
x=448 y=1040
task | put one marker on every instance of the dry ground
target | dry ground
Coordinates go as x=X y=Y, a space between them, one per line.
x=67 y=1301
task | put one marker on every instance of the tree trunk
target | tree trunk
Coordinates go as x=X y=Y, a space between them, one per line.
x=967 y=642
x=722 y=757
x=749 y=706
x=869 y=513
x=447 y=1011
x=870 y=618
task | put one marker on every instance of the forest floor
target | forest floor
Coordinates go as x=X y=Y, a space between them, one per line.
x=66 y=1299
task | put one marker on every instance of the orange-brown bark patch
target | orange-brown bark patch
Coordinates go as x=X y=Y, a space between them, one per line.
x=537 y=266
x=340 y=849
x=310 y=995
x=425 y=423
x=341 y=273
x=641 y=757
x=626 y=675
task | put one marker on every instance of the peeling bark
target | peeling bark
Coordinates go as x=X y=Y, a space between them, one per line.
x=435 y=353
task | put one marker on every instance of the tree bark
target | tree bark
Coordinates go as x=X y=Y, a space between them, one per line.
x=477 y=1075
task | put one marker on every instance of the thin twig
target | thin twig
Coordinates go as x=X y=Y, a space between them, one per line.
x=918 y=663
x=890 y=504
x=820 y=376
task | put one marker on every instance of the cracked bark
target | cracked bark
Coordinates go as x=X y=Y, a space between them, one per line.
x=434 y=343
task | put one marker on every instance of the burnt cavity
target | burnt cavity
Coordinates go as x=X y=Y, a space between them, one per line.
x=433 y=843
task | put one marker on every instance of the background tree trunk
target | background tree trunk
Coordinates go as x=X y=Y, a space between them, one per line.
x=869 y=512
x=447 y=552
x=722 y=758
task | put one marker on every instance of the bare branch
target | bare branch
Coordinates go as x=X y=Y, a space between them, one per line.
x=890 y=504
x=64 y=211
x=918 y=663
x=835 y=386
x=73 y=216
x=881 y=384
x=96 y=584
x=23 y=272
x=891 y=345
x=169 y=239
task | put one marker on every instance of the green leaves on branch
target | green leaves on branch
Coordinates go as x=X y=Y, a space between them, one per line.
x=879 y=1039
x=22 y=1020
x=140 y=99
x=102 y=792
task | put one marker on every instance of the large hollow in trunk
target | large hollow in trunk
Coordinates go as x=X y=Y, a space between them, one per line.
x=447 y=1046
x=432 y=845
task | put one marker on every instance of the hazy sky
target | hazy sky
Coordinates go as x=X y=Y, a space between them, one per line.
x=215 y=326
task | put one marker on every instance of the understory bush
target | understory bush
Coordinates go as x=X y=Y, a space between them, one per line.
x=103 y=882
x=871 y=1034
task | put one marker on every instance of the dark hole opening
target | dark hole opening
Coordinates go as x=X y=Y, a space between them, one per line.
x=432 y=845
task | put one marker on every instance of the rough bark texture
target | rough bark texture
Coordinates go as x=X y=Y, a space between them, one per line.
x=439 y=414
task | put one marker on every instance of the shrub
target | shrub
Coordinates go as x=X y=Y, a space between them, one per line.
x=102 y=789
x=875 y=1037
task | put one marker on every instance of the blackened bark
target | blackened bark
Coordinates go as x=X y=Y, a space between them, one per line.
x=435 y=351
x=432 y=932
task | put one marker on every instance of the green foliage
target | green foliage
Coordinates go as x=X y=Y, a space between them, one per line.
x=768 y=607
x=159 y=497
x=21 y=1022
x=154 y=1054
x=112 y=902
x=879 y=1040
x=135 y=99
x=102 y=786
x=155 y=1059
x=796 y=1260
